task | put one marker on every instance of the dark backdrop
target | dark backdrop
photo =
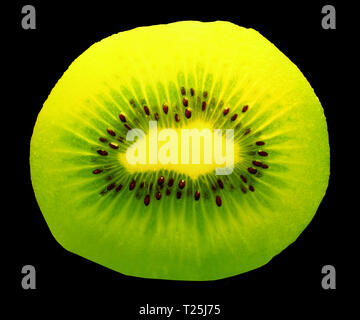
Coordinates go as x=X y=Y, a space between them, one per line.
x=292 y=278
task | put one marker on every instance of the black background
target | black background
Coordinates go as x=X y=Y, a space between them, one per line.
x=292 y=278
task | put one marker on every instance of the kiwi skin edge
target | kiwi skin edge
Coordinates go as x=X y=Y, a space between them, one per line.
x=163 y=223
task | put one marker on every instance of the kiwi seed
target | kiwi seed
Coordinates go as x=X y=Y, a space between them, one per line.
x=171 y=182
x=203 y=106
x=218 y=201
x=147 y=200
x=263 y=153
x=165 y=108
x=161 y=180
x=111 y=132
x=220 y=183
x=102 y=152
x=197 y=195
x=181 y=184
x=122 y=118
x=132 y=185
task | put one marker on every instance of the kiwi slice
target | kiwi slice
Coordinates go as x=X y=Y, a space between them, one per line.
x=173 y=220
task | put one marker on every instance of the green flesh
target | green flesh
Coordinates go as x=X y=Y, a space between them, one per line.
x=171 y=238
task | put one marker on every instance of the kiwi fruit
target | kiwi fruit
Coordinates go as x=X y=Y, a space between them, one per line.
x=180 y=221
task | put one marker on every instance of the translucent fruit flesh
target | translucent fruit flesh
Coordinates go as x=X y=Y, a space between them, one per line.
x=146 y=222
